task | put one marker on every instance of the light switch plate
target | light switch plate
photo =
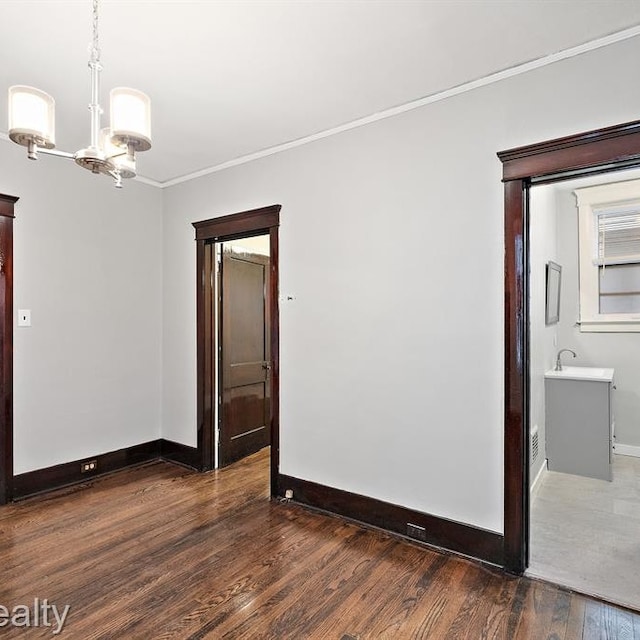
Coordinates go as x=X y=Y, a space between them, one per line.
x=24 y=317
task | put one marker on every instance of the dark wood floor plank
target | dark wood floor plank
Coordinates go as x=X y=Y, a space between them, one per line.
x=492 y=616
x=476 y=597
x=384 y=569
x=439 y=604
x=261 y=575
x=160 y=552
x=374 y=605
x=575 y=619
x=560 y=616
x=322 y=573
x=516 y=607
x=537 y=612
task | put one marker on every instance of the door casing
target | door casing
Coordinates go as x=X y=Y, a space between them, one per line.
x=264 y=220
x=590 y=153
x=6 y=346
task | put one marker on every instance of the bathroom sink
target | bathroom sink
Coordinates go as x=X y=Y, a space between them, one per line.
x=582 y=373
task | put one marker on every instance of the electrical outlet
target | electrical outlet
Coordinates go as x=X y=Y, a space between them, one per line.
x=88 y=466
x=288 y=494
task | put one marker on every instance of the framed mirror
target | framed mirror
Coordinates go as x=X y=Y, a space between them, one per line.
x=554 y=274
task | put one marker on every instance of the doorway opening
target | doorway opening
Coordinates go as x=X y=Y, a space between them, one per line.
x=594 y=152
x=584 y=458
x=238 y=338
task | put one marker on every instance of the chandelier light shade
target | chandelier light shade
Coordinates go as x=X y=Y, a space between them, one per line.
x=123 y=161
x=111 y=150
x=31 y=117
x=131 y=118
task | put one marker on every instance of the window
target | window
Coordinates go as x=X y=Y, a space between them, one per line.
x=609 y=232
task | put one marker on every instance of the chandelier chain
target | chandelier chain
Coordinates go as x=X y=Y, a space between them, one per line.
x=95 y=48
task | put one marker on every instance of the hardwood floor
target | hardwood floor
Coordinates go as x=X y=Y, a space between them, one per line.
x=160 y=552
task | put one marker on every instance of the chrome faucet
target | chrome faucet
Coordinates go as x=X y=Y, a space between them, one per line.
x=558 y=362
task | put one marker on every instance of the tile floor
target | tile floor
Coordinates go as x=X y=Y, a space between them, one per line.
x=585 y=533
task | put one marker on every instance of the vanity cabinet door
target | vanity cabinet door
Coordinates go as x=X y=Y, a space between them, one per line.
x=578 y=427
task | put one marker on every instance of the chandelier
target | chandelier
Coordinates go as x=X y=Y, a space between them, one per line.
x=112 y=150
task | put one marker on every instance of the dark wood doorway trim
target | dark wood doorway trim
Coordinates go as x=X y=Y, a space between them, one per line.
x=597 y=151
x=238 y=225
x=6 y=346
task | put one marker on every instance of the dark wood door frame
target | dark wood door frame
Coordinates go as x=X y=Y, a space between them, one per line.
x=238 y=225
x=6 y=346
x=598 y=151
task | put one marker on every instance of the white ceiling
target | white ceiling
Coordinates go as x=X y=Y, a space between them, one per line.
x=229 y=79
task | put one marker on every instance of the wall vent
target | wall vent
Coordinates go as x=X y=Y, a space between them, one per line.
x=535 y=444
x=416 y=531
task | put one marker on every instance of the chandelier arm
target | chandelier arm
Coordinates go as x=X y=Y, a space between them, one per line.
x=117 y=177
x=55 y=152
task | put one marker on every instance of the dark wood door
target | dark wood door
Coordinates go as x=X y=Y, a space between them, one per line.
x=245 y=358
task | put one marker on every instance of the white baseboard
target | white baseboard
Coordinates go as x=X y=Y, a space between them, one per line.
x=626 y=450
x=536 y=483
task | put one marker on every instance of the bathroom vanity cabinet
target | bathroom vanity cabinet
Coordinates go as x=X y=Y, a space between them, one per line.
x=579 y=421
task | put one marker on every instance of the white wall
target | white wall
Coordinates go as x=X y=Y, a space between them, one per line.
x=87 y=261
x=543 y=339
x=392 y=243
x=620 y=351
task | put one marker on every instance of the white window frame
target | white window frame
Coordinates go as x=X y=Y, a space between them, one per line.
x=593 y=202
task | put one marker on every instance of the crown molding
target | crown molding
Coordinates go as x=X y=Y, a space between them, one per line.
x=510 y=72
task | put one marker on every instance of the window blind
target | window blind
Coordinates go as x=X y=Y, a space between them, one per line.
x=618 y=240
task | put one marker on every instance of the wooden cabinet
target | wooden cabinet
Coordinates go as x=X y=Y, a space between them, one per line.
x=579 y=424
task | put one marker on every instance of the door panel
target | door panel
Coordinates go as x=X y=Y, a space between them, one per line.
x=245 y=356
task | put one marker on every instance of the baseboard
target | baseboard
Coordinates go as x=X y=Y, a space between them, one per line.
x=68 y=473
x=181 y=454
x=626 y=450
x=538 y=479
x=432 y=530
